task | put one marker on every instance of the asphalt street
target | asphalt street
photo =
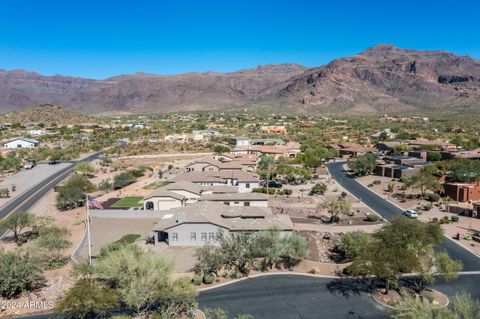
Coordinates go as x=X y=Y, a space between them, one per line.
x=383 y=207
x=30 y=197
x=300 y=297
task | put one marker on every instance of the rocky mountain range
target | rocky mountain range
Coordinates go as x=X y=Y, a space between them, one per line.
x=383 y=78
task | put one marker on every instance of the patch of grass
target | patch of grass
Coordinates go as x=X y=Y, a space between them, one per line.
x=128 y=202
x=156 y=185
x=128 y=239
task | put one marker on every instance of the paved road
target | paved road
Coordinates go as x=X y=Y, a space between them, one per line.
x=295 y=297
x=470 y=261
x=29 y=198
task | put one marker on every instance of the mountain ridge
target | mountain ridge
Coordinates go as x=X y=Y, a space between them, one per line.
x=381 y=78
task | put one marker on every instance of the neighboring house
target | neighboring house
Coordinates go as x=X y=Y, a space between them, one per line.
x=163 y=199
x=386 y=133
x=238 y=199
x=432 y=145
x=385 y=147
x=397 y=171
x=462 y=192
x=210 y=164
x=205 y=222
x=181 y=194
x=273 y=129
x=290 y=150
x=353 y=150
x=243 y=181
x=174 y=195
x=21 y=143
x=248 y=162
x=245 y=142
x=470 y=154
x=210 y=133
x=37 y=133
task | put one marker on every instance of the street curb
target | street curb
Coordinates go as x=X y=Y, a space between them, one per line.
x=282 y=273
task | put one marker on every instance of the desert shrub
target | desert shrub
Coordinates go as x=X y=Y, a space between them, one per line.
x=370 y=185
x=352 y=244
x=376 y=182
x=208 y=279
x=80 y=182
x=454 y=219
x=287 y=191
x=435 y=220
x=197 y=280
x=138 y=172
x=123 y=179
x=319 y=188
x=70 y=198
x=433 y=197
x=105 y=185
x=343 y=194
x=263 y=190
x=19 y=272
x=372 y=218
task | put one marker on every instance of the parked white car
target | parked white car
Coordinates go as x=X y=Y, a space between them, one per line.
x=30 y=165
x=410 y=213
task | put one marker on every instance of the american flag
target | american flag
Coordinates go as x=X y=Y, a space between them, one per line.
x=93 y=203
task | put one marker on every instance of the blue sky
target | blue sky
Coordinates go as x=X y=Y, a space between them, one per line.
x=97 y=39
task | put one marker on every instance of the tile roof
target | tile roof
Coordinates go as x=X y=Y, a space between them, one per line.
x=235 y=196
x=218 y=176
x=232 y=218
x=165 y=193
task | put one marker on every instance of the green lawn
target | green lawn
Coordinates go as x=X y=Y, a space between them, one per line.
x=128 y=202
x=156 y=185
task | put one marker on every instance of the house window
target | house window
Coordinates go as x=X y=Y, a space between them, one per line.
x=174 y=236
x=227 y=203
x=236 y=203
x=204 y=236
x=247 y=185
x=211 y=236
x=193 y=236
x=246 y=203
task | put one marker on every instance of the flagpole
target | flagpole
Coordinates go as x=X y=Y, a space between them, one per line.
x=88 y=233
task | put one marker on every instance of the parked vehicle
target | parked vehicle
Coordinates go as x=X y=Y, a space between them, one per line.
x=410 y=213
x=30 y=165
x=54 y=162
x=272 y=184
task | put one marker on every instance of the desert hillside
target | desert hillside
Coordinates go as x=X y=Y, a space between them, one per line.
x=382 y=78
